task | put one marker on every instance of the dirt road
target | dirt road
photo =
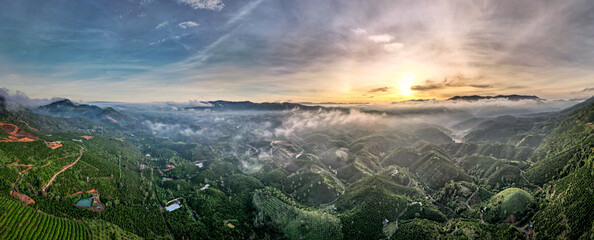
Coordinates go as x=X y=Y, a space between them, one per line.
x=528 y=181
x=16 y=134
x=63 y=169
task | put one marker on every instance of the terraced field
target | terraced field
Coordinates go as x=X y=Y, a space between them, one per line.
x=20 y=222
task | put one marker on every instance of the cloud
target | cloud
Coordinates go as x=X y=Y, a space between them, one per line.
x=491 y=107
x=188 y=24
x=376 y=90
x=205 y=53
x=381 y=38
x=162 y=25
x=323 y=45
x=393 y=47
x=246 y=10
x=588 y=89
x=146 y=2
x=359 y=31
x=191 y=103
x=299 y=121
x=19 y=99
x=216 y=5
x=172 y=129
x=197 y=103
x=449 y=82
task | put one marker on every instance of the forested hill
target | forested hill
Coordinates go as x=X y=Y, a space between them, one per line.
x=68 y=109
x=565 y=167
x=237 y=174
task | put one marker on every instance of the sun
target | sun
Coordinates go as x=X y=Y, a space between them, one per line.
x=405 y=83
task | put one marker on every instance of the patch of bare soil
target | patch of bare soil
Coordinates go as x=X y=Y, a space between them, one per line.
x=23 y=197
x=16 y=134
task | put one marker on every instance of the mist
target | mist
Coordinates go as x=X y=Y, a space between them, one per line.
x=20 y=99
x=172 y=120
x=255 y=137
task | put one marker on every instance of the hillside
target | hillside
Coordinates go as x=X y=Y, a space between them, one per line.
x=510 y=205
x=19 y=222
x=238 y=180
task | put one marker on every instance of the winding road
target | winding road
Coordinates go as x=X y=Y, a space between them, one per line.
x=528 y=181
x=63 y=169
x=15 y=136
x=26 y=123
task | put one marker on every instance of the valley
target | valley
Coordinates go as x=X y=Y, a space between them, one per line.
x=297 y=119
x=265 y=172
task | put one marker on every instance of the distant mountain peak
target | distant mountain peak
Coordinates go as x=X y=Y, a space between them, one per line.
x=513 y=97
x=65 y=101
x=221 y=105
x=2 y=102
x=69 y=109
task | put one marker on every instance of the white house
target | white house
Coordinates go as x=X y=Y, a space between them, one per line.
x=172 y=207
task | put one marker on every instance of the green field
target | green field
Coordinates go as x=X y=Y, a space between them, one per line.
x=20 y=222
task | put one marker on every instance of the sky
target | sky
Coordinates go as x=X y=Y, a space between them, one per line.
x=296 y=50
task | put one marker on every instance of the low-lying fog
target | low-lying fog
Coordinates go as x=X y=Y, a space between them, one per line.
x=173 y=120
x=255 y=135
x=251 y=135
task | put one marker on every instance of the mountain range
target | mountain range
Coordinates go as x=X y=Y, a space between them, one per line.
x=68 y=109
x=323 y=174
x=513 y=97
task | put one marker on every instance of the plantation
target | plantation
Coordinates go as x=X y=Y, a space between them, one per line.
x=235 y=181
x=20 y=222
x=294 y=222
x=314 y=186
x=144 y=221
x=457 y=229
x=8 y=176
x=562 y=215
x=436 y=170
x=103 y=230
x=510 y=205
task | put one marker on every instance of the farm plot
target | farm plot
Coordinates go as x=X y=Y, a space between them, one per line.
x=20 y=222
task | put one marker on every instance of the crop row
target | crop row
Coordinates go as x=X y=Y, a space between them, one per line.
x=20 y=222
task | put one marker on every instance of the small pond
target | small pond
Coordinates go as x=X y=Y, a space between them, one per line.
x=85 y=202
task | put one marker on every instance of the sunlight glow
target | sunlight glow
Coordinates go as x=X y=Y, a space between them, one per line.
x=405 y=83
